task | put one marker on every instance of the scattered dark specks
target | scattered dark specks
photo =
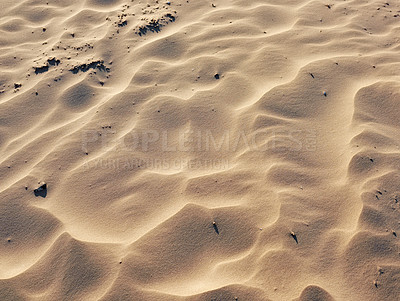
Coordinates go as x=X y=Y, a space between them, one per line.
x=294 y=236
x=215 y=227
x=216 y=76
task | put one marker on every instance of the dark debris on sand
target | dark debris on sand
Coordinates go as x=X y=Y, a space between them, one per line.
x=155 y=25
x=215 y=227
x=53 y=61
x=93 y=65
x=50 y=62
x=41 y=69
x=294 y=236
x=41 y=191
x=122 y=23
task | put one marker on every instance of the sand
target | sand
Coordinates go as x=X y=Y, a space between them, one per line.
x=199 y=150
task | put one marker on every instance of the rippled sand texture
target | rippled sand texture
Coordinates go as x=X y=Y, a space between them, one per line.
x=295 y=197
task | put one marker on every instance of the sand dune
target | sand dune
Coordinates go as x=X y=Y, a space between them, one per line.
x=196 y=150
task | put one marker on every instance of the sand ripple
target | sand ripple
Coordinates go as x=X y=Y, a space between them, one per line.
x=199 y=151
